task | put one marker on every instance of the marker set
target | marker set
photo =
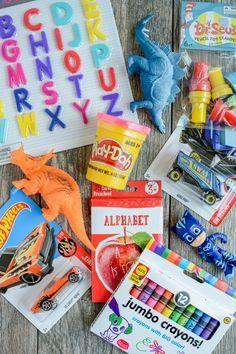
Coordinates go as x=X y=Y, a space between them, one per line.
x=170 y=301
x=163 y=301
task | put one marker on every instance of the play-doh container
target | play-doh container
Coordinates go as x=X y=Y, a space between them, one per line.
x=117 y=146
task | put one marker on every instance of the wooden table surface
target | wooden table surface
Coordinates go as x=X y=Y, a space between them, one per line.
x=71 y=334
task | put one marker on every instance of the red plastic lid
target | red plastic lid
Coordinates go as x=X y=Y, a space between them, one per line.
x=124 y=123
x=218 y=111
x=200 y=79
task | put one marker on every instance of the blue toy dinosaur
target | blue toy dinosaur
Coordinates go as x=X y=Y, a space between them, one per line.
x=159 y=74
x=193 y=233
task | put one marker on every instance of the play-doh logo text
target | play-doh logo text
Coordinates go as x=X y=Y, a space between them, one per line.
x=110 y=152
x=8 y=219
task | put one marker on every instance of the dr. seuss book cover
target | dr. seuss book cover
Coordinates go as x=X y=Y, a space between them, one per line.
x=208 y=26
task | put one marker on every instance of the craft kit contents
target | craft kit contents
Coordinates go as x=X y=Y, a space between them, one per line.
x=191 y=232
x=221 y=113
x=199 y=92
x=198 y=170
x=122 y=224
x=159 y=73
x=115 y=151
x=230 y=78
x=191 y=312
x=62 y=63
x=198 y=163
x=219 y=88
x=39 y=263
x=58 y=189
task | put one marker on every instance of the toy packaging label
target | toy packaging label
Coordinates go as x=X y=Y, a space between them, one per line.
x=122 y=221
x=208 y=26
x=175 y=307
x=61 y=64
x=43 y=270
x=196 y=177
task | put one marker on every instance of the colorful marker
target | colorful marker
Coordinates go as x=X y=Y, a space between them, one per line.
x=155 y=297
x=187 y=314
x=147 y=291
x=201 y=325
x=169 y=308
x=210 y=329
x=163 y=301
x=194 y=320
x=136 y=290
x=176 y=314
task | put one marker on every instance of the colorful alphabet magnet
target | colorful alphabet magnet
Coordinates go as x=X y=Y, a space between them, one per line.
x=61 y=63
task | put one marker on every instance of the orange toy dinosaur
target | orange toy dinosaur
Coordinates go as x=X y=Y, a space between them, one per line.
x=59 y=190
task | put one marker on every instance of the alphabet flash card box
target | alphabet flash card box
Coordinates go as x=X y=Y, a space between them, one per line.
x=61 y=63
x=167 y=305
x=43 y=270
x=122 y=224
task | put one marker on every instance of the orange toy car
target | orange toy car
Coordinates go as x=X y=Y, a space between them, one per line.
x=46 y=301
x=30 y=261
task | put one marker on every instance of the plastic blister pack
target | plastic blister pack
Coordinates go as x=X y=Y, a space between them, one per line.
x=198 y=163
x=44 y=270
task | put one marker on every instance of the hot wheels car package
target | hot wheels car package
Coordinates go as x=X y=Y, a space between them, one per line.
x=39 y=263
x=198 y=163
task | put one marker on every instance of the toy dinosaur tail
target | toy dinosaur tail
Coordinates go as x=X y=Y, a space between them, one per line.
x=75 y=218
x=141 y=33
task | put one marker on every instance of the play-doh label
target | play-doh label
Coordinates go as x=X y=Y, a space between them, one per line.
x=110 y=152
x=8 y=219
x=207 y=26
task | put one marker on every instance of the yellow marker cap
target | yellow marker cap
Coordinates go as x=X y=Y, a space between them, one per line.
x=199 y=100
x=219 y=87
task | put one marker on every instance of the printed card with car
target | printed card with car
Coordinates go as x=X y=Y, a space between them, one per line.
x=43 y=270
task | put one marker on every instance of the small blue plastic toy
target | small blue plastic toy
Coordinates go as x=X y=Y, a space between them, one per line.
x=193 y=233
x=230 y=77
x=159 y=74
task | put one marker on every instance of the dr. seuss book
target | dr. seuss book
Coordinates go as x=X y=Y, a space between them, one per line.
x=208 y=26
x=122 y=224
x=167 y=305
x=43 y=270
x=61 y=64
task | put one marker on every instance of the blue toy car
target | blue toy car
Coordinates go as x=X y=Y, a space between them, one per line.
x=195 y=172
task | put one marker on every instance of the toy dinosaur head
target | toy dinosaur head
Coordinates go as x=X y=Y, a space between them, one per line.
x=190 y=230
x=28 y=163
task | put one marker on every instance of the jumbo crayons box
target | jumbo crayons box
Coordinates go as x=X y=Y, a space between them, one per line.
x=120 y=223
x=43 y=270
x=167 y=305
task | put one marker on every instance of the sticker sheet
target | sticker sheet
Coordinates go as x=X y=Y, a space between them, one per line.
x=61 y=63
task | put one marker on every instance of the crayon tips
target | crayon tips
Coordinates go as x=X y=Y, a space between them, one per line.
x=194 y=320
x=136 y=290
x=169 y=308
x=162 y=300
x=187 y=314
x=156 y=295
x=147 y=291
